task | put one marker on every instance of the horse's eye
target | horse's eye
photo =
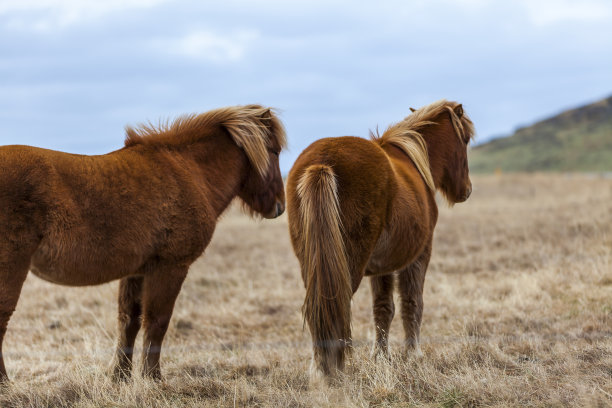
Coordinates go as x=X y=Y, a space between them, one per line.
x=274 y=152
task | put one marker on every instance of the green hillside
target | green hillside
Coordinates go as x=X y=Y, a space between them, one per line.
x=575 y=140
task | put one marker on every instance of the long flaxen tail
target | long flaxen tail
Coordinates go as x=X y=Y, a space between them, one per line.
x=327 y=307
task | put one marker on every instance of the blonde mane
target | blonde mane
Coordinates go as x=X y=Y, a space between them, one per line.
x=253 y=128
x=407 y=134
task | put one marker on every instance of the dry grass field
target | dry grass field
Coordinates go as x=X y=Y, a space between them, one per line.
x=518 y=312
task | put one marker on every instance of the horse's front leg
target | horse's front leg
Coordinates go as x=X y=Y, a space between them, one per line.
x=411 y=283
x=161 y=287
x=130 y=311
x=384 y=310
x=12 y=276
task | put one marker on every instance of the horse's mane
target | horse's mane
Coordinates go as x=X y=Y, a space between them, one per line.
x=253 y=128
x=407 y=134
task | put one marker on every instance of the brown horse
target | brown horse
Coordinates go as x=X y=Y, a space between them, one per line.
x=141 y=214
x=366 y=207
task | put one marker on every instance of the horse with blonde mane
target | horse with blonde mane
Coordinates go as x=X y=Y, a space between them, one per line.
x=362 y=207
x=141 y=214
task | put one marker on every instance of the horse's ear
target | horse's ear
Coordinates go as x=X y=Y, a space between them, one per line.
x=412 y=110
x=458 y=111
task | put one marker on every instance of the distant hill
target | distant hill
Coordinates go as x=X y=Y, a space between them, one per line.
x=576 y=140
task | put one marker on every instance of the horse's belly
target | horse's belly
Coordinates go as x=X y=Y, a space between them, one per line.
x=75 y=269
x=381 y=264
x=392 y=252
x=71 y=277
x=56 y=275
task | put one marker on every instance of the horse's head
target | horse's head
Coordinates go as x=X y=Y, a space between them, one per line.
x=455 y=182
x=263 y=191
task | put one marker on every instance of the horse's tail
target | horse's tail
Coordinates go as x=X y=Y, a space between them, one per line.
x=327 y=307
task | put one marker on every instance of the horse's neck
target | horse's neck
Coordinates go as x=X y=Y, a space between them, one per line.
x=223 y=168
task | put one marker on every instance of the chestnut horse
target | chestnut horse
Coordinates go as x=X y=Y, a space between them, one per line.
x=362 y=207
x=141 y=214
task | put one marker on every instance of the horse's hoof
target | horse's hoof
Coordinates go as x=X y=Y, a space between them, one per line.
x=120 y=375
x=4 y=382
x=382 y=353
x=153 y=375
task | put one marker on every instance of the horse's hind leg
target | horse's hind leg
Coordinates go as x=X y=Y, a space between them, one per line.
x=130 y=310
x=384 y=310
x=12 y=275
x=161 y=287
x=411 y=283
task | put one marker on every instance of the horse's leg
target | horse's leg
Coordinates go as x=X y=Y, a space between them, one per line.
x=130 y=310
x=411 y=282
x=161 y=287
x=12 y=275
x=384 y=310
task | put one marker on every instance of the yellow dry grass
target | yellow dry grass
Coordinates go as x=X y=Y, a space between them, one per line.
x=518 y=312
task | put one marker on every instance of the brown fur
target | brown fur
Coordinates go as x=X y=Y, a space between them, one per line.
x=383 y=204
x=141 y=214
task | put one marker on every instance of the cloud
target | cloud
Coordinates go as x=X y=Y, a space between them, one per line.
x=210 y=46
x=48 y=15
x=540 y=13
x=548 y=12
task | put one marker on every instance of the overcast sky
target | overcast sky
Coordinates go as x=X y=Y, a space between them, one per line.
x=73 y=73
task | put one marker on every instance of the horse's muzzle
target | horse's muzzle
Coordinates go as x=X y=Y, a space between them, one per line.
x=467 y=194
x=279 y=208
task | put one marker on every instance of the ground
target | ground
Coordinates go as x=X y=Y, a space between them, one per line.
x=518 y=312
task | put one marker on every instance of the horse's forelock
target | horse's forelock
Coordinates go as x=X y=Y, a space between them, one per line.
x=464 y=128
x=256 y=129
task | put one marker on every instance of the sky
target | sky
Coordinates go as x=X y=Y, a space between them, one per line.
x=73 y=73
